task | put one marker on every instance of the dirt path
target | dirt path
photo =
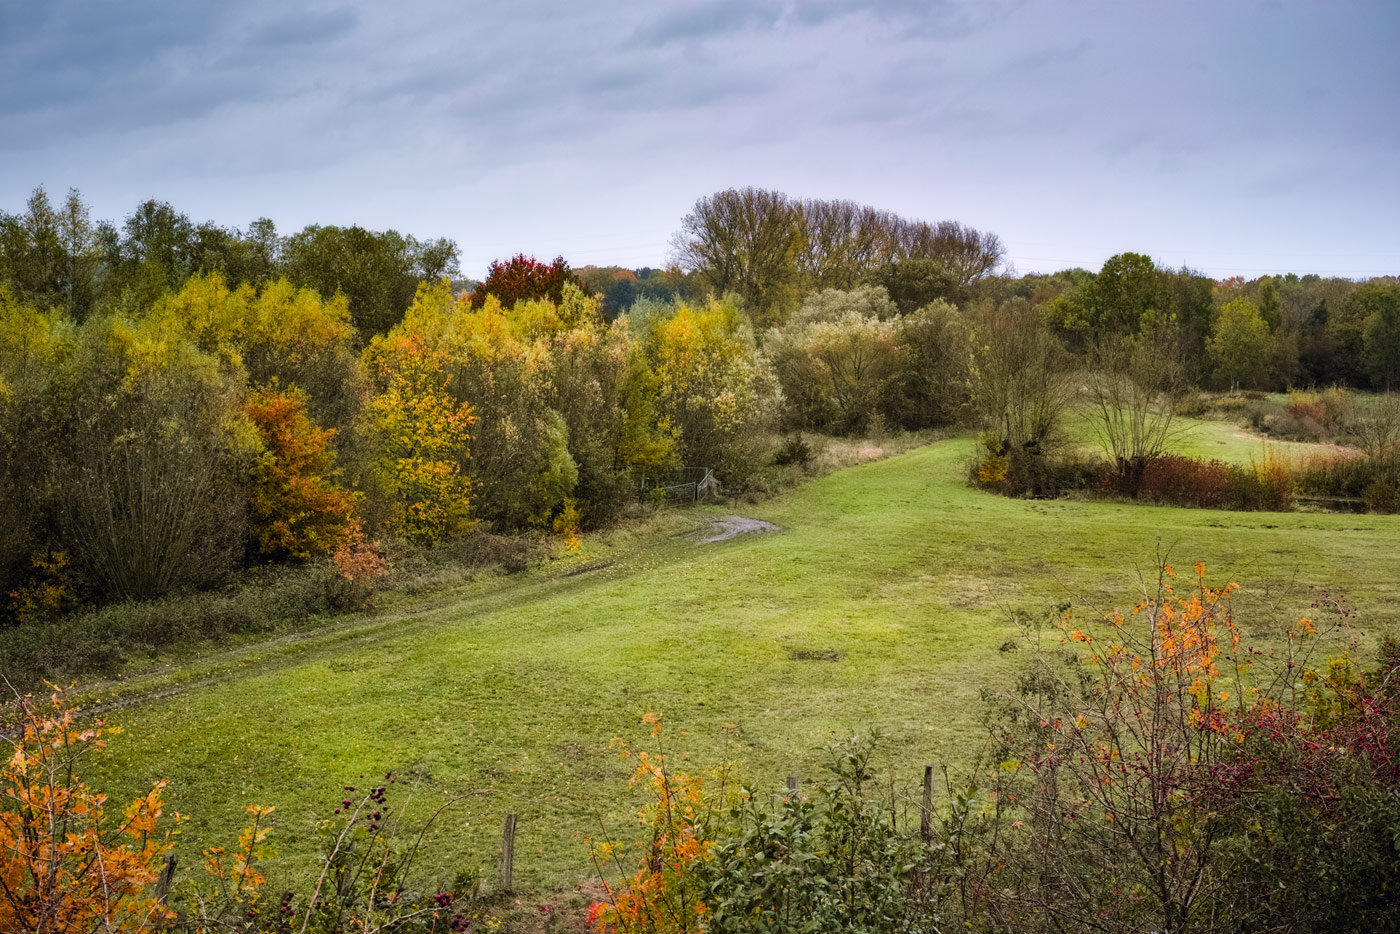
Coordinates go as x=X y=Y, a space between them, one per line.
x=727 y=527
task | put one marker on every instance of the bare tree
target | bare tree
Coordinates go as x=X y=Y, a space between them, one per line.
x=965 y=253
x=1020 y=388
x=1134 y=384
x=841 y=240
x=744 y=241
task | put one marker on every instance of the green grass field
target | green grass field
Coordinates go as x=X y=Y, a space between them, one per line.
x=882 y=603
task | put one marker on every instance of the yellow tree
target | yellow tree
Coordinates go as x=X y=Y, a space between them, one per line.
x=423 y=435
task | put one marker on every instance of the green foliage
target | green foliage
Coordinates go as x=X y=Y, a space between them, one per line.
x=929 y=385
x=1381 y=333
x=834 y=860
x=916 y=282
x=377 y=272
x=1240 y=344
x=794 y=450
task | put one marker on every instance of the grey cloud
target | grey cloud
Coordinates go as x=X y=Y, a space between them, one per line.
x=305 y=28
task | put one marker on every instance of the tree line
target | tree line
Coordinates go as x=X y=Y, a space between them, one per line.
x=58 y=257
x=180 y=400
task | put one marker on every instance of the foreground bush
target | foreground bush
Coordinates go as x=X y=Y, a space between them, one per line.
x=720 y=857
x=68 y=867
x=1166 y=776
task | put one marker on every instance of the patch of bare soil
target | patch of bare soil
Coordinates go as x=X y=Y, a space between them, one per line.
x=726 y=527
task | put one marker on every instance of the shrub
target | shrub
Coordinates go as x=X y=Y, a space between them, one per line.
x=794 y=450
x=1344 y=474
x=1019 y=385
x=1168 y=777
x=1181 y=481
x=929 y=384
x=1266 y=484
x=147 y=483
x=1377 y=430
x=714 y=388
x=366 y=879
x=65 y=865
x=717 y=857
x=1382 y=494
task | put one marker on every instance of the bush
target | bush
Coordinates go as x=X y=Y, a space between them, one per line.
x=1180 y=481
x=1168 y=777
x=1012 y=472
x=147 y=482
x=794 y=450
x=65 y=865
x=100 y=640
x=1266 y=484
x=1345 y=475
x=718 y=857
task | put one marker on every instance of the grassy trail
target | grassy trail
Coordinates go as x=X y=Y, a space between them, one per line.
x=882 y=603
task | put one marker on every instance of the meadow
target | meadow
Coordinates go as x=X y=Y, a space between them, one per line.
x=884 y=602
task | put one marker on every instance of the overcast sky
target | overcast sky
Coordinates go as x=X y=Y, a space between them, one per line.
x=1235 y=137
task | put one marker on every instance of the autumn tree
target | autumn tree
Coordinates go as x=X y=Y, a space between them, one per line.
x=423 y=436
x=914 y=282
x=296 y=509
x=521 y=278
x=493 y=361
x=964 y=253
x=713 y=387
x=744 y=241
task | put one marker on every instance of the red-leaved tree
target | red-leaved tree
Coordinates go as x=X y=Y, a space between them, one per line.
x=522 y=278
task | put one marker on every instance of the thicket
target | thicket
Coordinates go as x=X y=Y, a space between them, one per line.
x=158 y=450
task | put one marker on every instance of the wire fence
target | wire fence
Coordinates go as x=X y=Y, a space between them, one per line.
x=681 y=487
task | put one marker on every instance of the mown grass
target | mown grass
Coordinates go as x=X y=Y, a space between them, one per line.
x=882 y=603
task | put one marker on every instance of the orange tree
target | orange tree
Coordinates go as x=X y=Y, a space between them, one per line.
x=65 y=866
x=297 y=510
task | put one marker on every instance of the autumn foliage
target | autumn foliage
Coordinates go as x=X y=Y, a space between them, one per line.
x=67 y=866
x=521 y=278
x=423 y=435
x=297 y=509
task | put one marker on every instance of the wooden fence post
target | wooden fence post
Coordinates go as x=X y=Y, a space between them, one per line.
x=508 y=855
x=926 y=812
x=166 y=877
x=793 y=785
